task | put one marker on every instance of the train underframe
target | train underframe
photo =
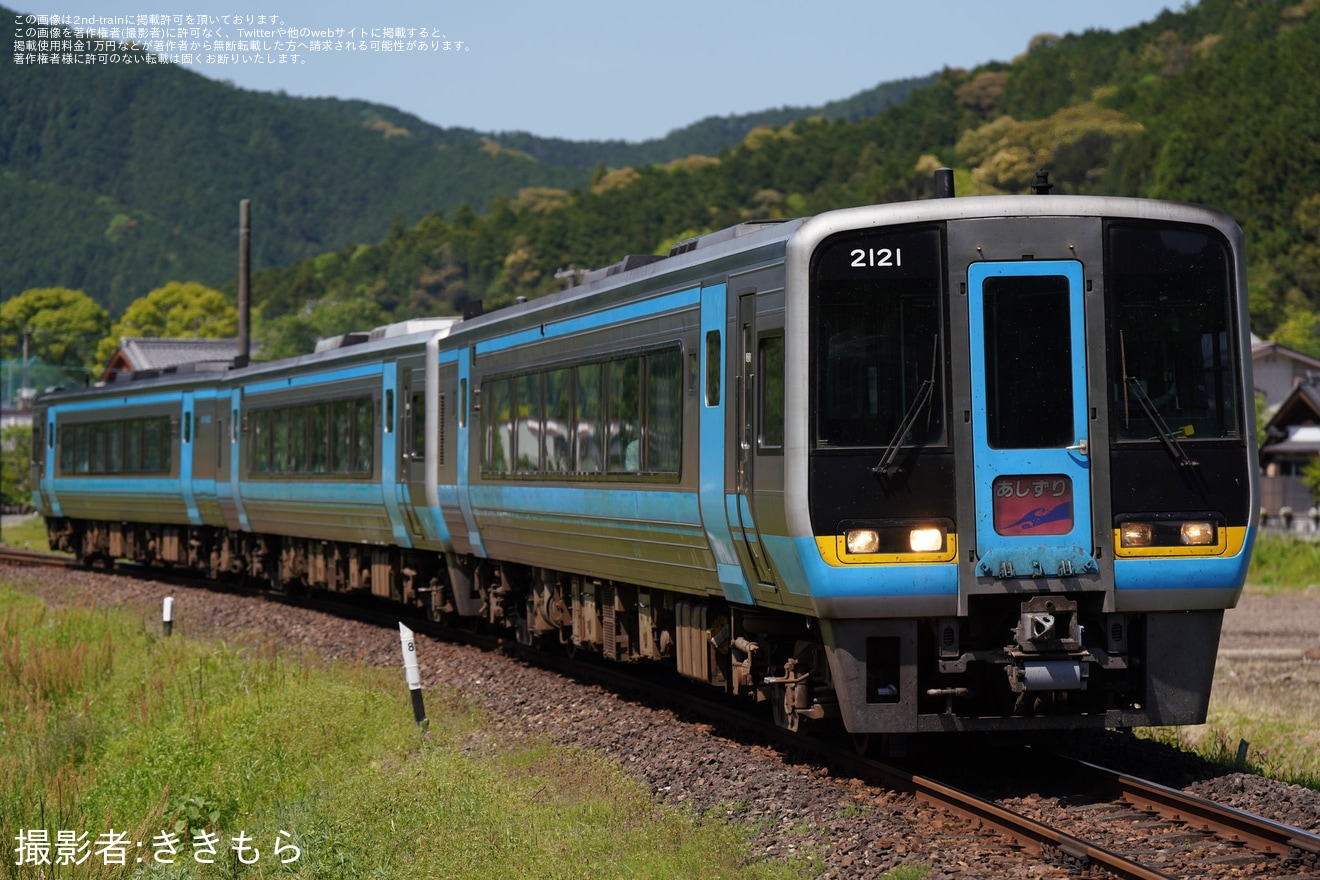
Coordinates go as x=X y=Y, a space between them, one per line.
x=1015 y=662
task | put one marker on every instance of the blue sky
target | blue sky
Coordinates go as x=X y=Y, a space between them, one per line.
x=590 y=69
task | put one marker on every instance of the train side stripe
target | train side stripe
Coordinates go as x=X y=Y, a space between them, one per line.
x=311 y=379
x=608 y=317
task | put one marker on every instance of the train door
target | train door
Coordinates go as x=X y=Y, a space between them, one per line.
x=412 y=478
x=187 y=445
x=227 y=469
x=714 y=458
x=1030 y=419
x=468 y=455
x=392 y=474
x=206 y=454
x=748 y=446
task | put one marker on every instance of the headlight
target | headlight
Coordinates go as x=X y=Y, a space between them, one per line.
x=926 y=540
x=1168 y=533
x=1137 y=534
x=862 y=541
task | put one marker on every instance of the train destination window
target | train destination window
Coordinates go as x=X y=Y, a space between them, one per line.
x=1171 y=323
x=876 y=300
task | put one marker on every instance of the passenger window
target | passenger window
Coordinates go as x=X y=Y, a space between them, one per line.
x=279 y=435
x=133 y=446
x=419 y=426
x=625 y=398
x=713 y=368
x=297 y=440
x=556 y=441
x=496 y=414
x=664 y=411
x=771 y=368
x=588 y=413
x=116 y=447
x=528 y=423
x=341 y=426
x=364 y=436
x=318 y=442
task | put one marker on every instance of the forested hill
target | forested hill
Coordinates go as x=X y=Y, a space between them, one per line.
x=705 y=137
x=1214 y=104
x=119 y=178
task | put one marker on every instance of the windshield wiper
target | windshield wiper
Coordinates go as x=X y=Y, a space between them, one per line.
x=925 y=392
x=1167 y=436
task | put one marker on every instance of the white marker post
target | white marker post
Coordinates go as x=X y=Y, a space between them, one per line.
x=167 y=615
x=413 y=674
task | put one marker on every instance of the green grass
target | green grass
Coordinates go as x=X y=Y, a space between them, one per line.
x=104 y=723
x=1252 y=700
x=28 y=533
x=1284 y=564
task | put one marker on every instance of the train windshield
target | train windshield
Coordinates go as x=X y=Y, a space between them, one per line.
x=1171 y=335
x=877 y=350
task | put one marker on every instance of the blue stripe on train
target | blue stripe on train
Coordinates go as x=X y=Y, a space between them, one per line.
x=626 y=506
x=621 y=314
x=837 y=582
x=1186 y=573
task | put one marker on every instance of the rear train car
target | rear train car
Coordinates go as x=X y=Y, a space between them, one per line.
x=972 y=464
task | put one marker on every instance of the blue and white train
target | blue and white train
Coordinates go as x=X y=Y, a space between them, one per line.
x=971 y=464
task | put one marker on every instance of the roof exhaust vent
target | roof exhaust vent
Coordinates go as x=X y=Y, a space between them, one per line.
x=1042 y=185
x=943 y=183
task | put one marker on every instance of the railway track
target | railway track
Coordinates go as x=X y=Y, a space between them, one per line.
x=1086 y=820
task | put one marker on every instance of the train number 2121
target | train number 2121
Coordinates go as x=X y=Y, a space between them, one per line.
x=864 y=257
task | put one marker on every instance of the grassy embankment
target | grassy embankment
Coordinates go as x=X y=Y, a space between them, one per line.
x=27 y=533
x=106 y=724
x=1271 y=704
x=1274 y=709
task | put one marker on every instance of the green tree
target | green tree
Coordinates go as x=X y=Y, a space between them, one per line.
x=1311 y=476
x=1299 y=330
x=177 y=310
x=15 y=452
x=62 y=326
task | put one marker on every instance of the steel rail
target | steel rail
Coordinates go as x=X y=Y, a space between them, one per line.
x=1225 y=822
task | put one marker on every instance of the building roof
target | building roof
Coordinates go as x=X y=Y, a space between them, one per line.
x=1295 y=426
x=1301 y=440
x=138 y=353
x=1264 y=348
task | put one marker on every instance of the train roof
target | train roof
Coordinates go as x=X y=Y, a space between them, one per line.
x=691 y=261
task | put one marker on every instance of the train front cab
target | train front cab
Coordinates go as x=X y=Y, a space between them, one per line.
x=1028 y=460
